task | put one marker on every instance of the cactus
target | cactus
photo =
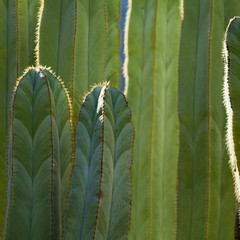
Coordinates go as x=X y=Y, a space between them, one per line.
x=40 y=157
x=40 y=162
x=70 y=169
x=83 y=42
x=231 y=97
x=100 y=195
x=18 y=21
x=180 y=122
x=152 y=94
x=206 y=207
x=40 y=103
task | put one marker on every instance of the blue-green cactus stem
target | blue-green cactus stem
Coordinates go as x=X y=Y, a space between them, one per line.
x=99 y=203
x=39 y=157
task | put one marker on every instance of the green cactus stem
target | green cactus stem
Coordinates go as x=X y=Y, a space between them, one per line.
x=39 y=157
x=153 y=47
x=99 y=202
x=18 y=23
x=206 y=207
x=175 y=95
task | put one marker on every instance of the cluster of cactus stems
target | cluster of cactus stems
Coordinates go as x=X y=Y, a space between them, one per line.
x=42 y=172
x=73 y=172
x=208 y=175
x=175 y=93
x=69 y=171
x=83 y=42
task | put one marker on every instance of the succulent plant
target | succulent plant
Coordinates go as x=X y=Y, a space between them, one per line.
x=83 y=40
x=18 y=21
x=39 y=157
x=154 y=35
x=40 y=165
x=99 y=204
x=175 y=92
x=72 y=170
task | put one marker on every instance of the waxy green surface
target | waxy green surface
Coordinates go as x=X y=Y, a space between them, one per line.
x=206 y=206
x=154 y=37
x=99 y=202
x=39 y=157
x=175 y=93
x=18 y=22
x=83 y=42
